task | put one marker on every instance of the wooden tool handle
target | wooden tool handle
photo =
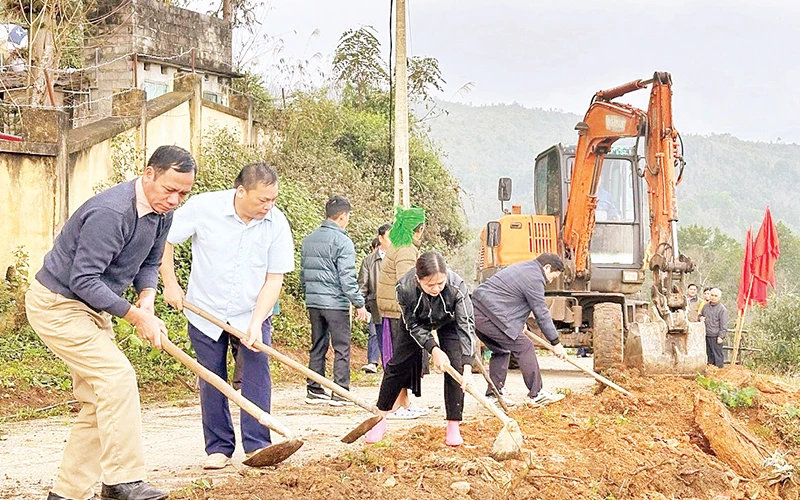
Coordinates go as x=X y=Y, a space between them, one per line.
x=245 y=404
x=341 y=391
x=477 y=395
x=538 y=340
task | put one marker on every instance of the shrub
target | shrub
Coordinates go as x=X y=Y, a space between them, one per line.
x=775 y=331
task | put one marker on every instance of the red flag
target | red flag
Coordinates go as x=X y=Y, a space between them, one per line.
x=751 y=290
x=766 y=250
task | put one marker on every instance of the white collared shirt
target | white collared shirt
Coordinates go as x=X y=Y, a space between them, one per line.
x=230 y=259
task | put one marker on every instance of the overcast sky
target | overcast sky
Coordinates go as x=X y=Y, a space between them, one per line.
x=735 y=64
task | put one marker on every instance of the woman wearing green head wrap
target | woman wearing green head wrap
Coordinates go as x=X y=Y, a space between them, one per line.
x=401 y=257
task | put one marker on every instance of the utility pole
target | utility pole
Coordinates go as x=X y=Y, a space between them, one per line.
x=401 y=175
x=226 y=10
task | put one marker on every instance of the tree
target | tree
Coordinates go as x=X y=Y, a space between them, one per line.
x=717 y=258
x=358 y=67
x=424 y=76
x=55 y=28
x=788 y=266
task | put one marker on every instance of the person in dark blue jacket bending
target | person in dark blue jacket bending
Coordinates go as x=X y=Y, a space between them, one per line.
x=502 y=305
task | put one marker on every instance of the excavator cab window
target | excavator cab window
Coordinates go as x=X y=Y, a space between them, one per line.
x=614 y=238
x=615 y=233
x=547 y=185
x=615 y=192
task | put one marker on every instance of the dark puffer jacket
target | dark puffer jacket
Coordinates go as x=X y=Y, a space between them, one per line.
x=423 y=313
x=328 y=269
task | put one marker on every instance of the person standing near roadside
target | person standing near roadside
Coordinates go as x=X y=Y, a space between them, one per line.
x=241 y=248
x=113 y=240
x=693 y=302
x=715 y=315
x=328 y=277
x=368 y=283
x=401 y=257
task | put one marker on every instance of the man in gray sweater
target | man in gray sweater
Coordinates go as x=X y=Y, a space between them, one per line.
x=328 y=277
x=715 y=316
x=113 y=240
x=502 y=305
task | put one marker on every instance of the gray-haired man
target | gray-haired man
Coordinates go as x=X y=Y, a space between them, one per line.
x=715 y=316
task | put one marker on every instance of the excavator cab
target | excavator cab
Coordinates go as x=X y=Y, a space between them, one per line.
x=619 y=242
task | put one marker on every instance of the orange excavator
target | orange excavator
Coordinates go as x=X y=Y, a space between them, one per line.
x=590 y=203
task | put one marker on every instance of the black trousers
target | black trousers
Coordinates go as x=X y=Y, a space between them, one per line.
x=714 y=352
x=405 y=369
x=329 y=327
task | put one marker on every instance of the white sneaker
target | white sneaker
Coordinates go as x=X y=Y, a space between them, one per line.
x=370 y=368
x=419 y=410
x=403 y=414
x=216 y=461
x=545 y=398
x=507 y=401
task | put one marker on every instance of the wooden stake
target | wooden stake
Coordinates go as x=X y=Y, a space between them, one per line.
x=737 y=335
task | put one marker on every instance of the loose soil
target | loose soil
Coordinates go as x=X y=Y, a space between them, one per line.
x=587 y=446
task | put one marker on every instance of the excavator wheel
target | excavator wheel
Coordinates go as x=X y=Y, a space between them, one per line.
x=607 y=336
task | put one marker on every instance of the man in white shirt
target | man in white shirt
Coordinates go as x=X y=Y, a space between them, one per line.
x=241 y=248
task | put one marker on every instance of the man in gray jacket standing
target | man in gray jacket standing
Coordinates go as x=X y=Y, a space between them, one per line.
x=328 y=277
x=715 y=316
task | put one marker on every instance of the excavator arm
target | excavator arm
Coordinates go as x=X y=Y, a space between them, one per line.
x=605 y=123
x=663 y=171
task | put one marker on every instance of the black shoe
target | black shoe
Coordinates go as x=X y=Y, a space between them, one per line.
x=53 y=496
x=337 y=400
x=317 y=398
x=137 y=490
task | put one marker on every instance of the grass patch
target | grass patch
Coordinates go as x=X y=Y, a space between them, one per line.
x=729 y=395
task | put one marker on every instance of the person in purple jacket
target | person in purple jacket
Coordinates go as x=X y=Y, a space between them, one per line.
x=113 y=240
x=502 y=305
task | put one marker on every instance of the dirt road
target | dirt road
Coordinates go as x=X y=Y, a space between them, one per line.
x=31 y=451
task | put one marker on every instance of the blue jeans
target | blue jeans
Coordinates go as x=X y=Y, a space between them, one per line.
x=375 y=343
x=256 y=386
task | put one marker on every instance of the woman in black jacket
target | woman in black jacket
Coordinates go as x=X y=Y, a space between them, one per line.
x=431 y=297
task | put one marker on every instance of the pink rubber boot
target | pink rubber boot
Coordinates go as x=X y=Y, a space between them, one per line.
x=376 y=433
x=453 y=434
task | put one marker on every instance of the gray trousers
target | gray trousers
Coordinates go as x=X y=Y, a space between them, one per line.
x=329 y=327
x=714 y=352
x=502 y=347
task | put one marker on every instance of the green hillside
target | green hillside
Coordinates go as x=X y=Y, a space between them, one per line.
x=727 y=183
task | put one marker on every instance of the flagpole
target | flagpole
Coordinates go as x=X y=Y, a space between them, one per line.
x=737 y=335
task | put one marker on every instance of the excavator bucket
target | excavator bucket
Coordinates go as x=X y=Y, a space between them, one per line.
x=655 y=350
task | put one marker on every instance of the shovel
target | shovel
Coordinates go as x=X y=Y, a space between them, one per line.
x=270 y=455
x=479 y=363
x=508 y=443
x=351 y=436
x=538 y=340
